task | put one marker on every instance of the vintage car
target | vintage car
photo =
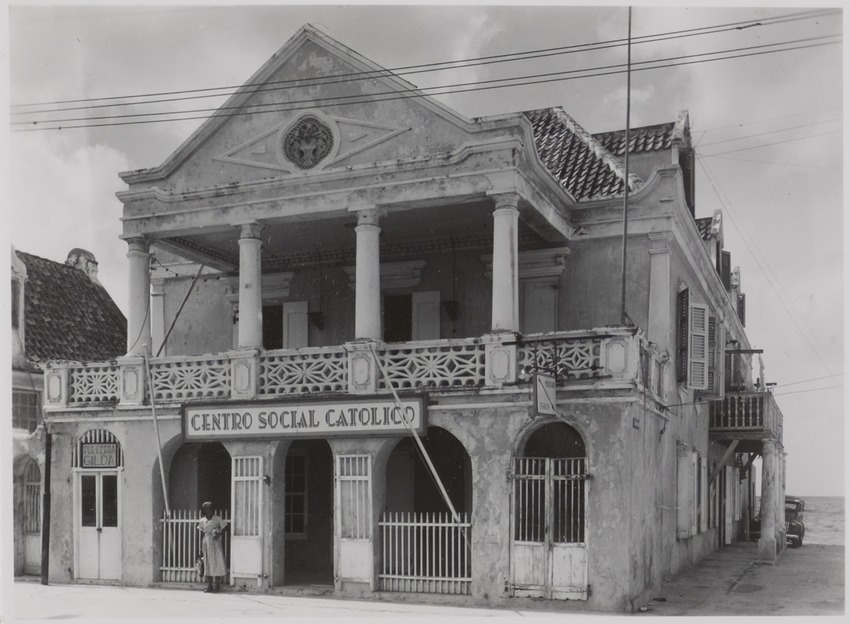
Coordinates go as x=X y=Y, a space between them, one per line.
x=795 y=530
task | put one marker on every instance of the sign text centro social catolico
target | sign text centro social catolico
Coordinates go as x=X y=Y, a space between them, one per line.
x=308 y=419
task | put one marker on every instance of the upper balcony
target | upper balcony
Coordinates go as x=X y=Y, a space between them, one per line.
x=749 y=417
x=617 y=358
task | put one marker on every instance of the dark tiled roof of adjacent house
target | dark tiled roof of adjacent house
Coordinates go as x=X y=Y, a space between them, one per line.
x=646 y=139
x=704 y=227
x=68 y=316
x=586 y=165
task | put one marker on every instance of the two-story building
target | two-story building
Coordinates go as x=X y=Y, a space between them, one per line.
x=60 y=312
x=387 y=342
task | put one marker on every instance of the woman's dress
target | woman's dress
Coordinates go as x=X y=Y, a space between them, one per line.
x=211 y=547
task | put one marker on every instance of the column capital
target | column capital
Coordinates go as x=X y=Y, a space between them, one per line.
x=659 y=242
x=369 y=216
x=137 y=245
x=505 y=201
x=249 y=230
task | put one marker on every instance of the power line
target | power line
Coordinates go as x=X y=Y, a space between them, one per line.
x=456 y=64
x=767 y=162
x=770 y=280
x=795 y=383
x=744 y=149
x=414 y=92
x=749 y=136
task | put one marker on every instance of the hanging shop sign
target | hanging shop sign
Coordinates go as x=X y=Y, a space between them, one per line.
x=366 y=417
x=98 y=455
x=544 y=394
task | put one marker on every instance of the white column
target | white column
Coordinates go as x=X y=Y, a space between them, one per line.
x=505 y=302
x=769 y=486
x=138 y=315
x=367 y=311
x=250 y=287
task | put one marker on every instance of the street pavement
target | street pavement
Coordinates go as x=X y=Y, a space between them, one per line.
x=806 y=581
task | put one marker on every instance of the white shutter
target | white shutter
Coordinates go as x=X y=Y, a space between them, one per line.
x=246 y=493
x=295 y=328
x=685 y=494
x=729 y=504
x=353 y=494
x=703 y=520
x=694 y=489
x=425 y=320
x=698 y=347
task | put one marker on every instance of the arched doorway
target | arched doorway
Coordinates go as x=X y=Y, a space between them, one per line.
x=200 y=472
x=307 y=513
x=97 y=460
x=425 y=547
x=27 y=506
x=549 y=515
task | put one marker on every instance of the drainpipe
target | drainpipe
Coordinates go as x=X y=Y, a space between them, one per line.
x=45 y=509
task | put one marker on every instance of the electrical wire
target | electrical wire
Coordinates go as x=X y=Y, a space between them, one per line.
x=761 y=145
x=456 y=64
x=767 y=162
x=749 y=136
x=771 y=280
x=415 y=92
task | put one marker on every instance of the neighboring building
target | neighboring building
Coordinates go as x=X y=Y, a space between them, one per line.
x=325 y=243
x=59 y=312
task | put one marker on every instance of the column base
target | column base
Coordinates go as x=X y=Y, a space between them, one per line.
x=767 y=550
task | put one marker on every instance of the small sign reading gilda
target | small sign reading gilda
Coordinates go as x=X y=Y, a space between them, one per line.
x=99 y=455
x=544 y=395
x=366 y=417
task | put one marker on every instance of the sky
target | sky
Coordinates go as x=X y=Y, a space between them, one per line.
x=768 y=131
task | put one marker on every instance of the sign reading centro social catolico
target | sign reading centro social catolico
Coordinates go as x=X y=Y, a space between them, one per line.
x=366 y=417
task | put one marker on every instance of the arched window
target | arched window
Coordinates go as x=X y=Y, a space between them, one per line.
x=97 y=448
x=32 y=497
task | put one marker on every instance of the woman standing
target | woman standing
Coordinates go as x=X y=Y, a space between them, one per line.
x=212 y=526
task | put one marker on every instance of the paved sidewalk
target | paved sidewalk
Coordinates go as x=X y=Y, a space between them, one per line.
x=805 y=581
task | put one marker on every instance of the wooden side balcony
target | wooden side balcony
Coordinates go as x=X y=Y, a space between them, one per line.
x=743 y=416
x=607 y=358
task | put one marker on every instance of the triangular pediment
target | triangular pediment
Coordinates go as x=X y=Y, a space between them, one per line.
x=268 y=150
x=296 y=116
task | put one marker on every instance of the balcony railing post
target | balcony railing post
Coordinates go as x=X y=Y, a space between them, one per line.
x=132 y=380
x=362 y=367
x=56 y=389
x=244 y=373
x=620 y=356
x=500 y=359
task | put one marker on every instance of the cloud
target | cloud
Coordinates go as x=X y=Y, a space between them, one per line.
x=63 y=196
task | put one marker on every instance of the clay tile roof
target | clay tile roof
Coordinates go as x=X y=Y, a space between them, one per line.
x=646 y=139
x=588 y=166
x=704 y=227
x=68 y=316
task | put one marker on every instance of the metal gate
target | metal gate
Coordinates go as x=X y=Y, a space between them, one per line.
x=548 y=528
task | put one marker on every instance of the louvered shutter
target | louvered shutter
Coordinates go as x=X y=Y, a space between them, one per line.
x=712 y=354
x=698 y=347
x=742 y=309
x=726 y=269
x=682 y=308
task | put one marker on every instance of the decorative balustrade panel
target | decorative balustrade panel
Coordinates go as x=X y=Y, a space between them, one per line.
x=93 y=383
x=303 y=371
x=575 y=357
x=426 y=552
x=190 y=378
x=740 y=412
x=441 y=364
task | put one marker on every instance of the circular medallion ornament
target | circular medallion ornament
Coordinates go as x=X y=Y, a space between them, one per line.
x=307 y=142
